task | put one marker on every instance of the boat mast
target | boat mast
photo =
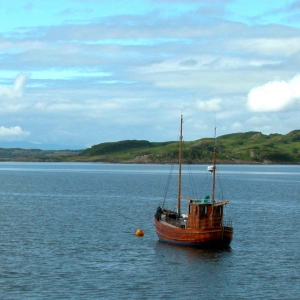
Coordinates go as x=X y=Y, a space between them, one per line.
x=179 y=171
x=214 y=170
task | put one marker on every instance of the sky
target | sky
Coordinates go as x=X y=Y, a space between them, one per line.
x=76 y=73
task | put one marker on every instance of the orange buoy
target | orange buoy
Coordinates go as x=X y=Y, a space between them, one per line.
x=139 y=232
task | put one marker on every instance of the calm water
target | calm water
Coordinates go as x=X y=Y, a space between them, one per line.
x=68 y=232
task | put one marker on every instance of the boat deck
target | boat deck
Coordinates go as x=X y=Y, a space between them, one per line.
x=172 y=222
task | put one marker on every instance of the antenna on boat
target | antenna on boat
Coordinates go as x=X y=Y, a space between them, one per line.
x=179 y=166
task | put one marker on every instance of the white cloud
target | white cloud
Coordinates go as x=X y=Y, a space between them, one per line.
x=16 y=91
x=13 y=133
x=58 y=107
x=267 y=46
x=236 y=126
x=275 y=96
x=121 y=71
x=210 y=105
x=86 y=106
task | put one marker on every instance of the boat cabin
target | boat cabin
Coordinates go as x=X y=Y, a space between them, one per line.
x=203 y=214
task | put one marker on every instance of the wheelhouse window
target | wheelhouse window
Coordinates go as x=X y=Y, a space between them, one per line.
x=218 y=211
x=203 y=210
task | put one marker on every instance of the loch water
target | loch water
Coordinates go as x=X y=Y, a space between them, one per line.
x=67 y=231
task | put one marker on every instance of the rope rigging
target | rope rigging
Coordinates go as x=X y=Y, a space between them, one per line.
x=168 y=184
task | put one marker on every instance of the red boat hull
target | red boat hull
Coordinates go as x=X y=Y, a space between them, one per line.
x=216 y=237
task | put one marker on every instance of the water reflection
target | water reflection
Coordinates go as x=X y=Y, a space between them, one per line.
x=189 y=253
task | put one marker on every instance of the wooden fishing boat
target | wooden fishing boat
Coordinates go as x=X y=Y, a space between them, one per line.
x=203 y=225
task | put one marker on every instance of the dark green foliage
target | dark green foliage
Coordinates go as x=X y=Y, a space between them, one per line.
x=294 y=136
x=116 y=147
x=277 y=157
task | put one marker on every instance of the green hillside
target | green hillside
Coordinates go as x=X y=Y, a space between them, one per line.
x=248 y=147
x=119 y=147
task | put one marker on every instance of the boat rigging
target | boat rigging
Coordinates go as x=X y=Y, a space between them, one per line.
x=203 y=226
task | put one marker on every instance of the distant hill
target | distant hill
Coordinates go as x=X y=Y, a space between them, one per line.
x=121 y=146
x=17 y=154
x=236 y=148
x=247 y=147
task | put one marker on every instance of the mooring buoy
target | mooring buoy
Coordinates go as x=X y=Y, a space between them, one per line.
x=139 y=232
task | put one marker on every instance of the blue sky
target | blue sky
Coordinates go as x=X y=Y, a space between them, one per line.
x=82 y=72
